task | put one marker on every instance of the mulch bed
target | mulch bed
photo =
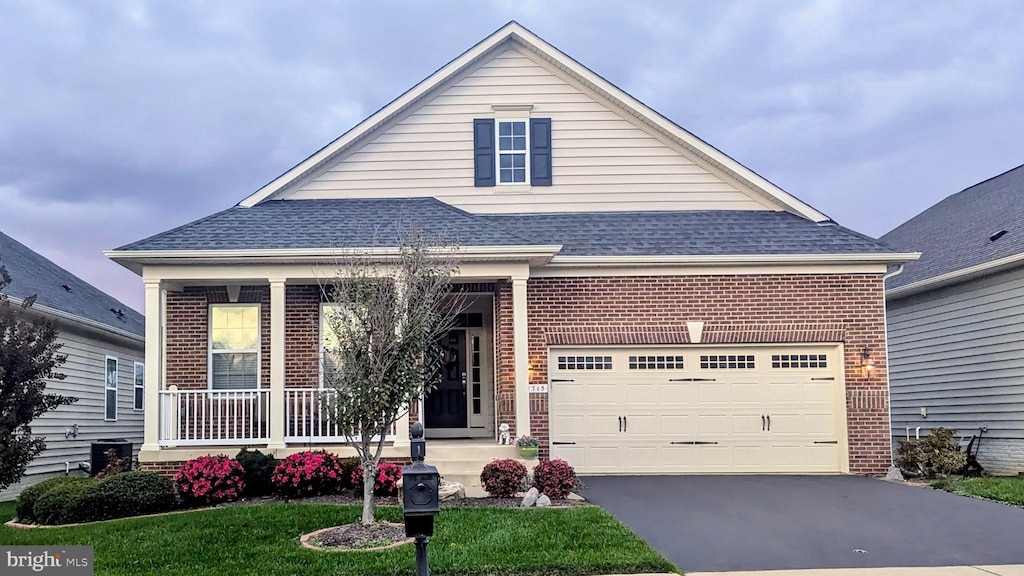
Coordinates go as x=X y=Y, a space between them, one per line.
x=357 y=536
x=501 y=503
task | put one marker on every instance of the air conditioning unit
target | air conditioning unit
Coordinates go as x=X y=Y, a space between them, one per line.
x=99 y=460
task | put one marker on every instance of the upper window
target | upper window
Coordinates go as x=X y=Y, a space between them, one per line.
x=513 y=164
x=727 y=362
x=234 y=346
x=140 y=381
x=110 y=390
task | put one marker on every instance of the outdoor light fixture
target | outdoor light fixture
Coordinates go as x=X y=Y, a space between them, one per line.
x=867 y=364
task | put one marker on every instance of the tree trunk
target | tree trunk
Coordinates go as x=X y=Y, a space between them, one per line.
x=369 y=474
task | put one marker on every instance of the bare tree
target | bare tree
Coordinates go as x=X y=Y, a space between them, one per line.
x=381 y=343
x=29 y=355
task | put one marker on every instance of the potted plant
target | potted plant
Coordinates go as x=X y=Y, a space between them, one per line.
x=528 y=446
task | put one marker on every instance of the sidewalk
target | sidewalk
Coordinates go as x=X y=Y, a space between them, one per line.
x=1006 y=570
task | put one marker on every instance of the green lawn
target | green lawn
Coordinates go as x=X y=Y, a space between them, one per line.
x=263 y=540
x=1001 y=489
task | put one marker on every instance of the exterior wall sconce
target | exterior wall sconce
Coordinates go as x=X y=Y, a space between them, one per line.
x=867 y=363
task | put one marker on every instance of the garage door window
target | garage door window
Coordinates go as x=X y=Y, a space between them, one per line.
x=584 y=362
x=655 y=362
x=799 y=361
x=727 y=362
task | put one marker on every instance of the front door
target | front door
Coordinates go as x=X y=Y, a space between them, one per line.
x=446 y=405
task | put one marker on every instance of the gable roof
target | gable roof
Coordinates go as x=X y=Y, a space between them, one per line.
x=339 y=223
x=514 y=33
x=953 y=236
x=283 y=225
x=57 y=289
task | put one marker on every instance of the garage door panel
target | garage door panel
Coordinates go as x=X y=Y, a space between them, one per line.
x=678 y=393
x=714 y=425
x=642 y=394
x=714 y=393
x=785 y=393
x=820 y=392
x=748 y=424
x=748 y=393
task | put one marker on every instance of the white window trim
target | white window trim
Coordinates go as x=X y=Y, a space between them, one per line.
x=259 y=345
x=136 y=386
x=106 y=386
x=497 y=152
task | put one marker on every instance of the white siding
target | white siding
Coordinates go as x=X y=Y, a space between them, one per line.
x=600 y=160
x=84 y=371
x=959 y=353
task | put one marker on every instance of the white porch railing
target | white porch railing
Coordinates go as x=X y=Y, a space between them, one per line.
x=307 y=417
x=204 y=417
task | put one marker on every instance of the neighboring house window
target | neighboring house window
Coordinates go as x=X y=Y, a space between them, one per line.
x=512 y=152
x=110 y=390
x=234 y=346
x=512 y=146
x=140 y=381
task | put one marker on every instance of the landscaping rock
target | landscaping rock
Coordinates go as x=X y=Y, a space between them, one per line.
x=531 y=498
x=451 y=491
x=894 y=474
x=543 y=501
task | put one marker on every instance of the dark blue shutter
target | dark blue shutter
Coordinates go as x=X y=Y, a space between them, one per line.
x=540 y=151
x=483 y=152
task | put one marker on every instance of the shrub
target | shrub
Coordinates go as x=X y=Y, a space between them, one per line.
x=126 y=494
x=502 y=478
x=58 y=504
x=937 y=454
x=385 y=483
x=348 y=468
x=210 y=480
x=309 y=474
x=27 y=500
x=556 y=478
x=258 y=467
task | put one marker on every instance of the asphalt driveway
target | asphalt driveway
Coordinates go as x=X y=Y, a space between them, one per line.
x=721 y=523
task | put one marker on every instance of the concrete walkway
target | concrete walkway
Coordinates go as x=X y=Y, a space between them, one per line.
x=1005 y=570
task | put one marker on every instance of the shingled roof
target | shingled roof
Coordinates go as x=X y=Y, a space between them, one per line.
x=964 y=230
x=56 y=288
x=296 y=224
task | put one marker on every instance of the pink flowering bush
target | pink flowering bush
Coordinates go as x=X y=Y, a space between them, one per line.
x=210 y=480
x=386 y=481
x=309 y=474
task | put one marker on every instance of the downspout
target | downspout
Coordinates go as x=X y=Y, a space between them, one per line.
x=893 y=472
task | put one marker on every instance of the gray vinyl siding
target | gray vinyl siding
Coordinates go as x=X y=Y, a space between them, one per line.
x=86 y=350
x=959 y=353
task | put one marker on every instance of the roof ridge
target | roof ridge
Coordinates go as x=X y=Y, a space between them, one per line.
x=479 y=218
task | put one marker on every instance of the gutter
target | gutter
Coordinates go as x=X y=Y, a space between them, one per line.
x=92 y=324
x=955 y=277
x=734 y=259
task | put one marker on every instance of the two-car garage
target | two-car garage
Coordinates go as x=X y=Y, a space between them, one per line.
x=698 y=409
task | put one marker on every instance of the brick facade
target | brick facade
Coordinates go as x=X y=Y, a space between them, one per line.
x=853 y=300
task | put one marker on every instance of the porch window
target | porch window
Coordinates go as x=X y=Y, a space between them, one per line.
x=328 y=341
x=139 y=380
x=234 y=346
x=110 y=390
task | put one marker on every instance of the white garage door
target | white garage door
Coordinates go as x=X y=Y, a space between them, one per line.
x=651 y=410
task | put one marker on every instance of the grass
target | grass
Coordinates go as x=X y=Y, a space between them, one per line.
x=264 y=540
x=1007 y=489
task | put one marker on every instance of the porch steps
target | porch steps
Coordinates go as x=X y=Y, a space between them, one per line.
x=462 y=462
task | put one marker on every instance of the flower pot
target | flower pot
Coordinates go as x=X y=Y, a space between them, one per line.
x=528 y=451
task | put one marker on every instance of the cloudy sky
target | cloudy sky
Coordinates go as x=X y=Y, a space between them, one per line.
x=119 y=120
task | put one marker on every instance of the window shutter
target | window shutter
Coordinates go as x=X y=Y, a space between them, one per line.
x=540 y=151
x=483 y=152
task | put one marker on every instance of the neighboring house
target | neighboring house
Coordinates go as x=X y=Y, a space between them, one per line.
x=956 y=320
x=642 y=303
x=103 y=341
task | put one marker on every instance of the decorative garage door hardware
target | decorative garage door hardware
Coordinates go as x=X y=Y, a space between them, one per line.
x=564 y=443
x=693 y=442
x=553 y=380
x=622 y=423
x=826 y=441
x=830 y=378
x=691 y=380
x=769 y=423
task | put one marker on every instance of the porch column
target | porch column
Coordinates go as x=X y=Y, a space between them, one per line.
x=521 y=356
x=402 y=429
x=154 y=368
x=277 y=333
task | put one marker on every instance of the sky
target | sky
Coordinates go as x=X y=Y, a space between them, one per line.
x=119 y=120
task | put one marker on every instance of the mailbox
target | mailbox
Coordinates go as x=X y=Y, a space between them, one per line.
x=420 y=483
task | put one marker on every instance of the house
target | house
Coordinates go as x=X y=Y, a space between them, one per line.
x=642 y=303
x=103 y=341
x=956 y=320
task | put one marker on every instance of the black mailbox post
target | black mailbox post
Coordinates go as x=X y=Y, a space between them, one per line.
x=420 y=499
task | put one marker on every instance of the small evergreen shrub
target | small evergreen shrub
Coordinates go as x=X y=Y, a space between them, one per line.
x=27 y=500
x=348 y=469
x=502 y=478
x=556 y=478
x=309 y=474
x=58 y=505
x=385 y=482
x=258 y=467
x=210 y=480
x=126 y=494
x=937 y=454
